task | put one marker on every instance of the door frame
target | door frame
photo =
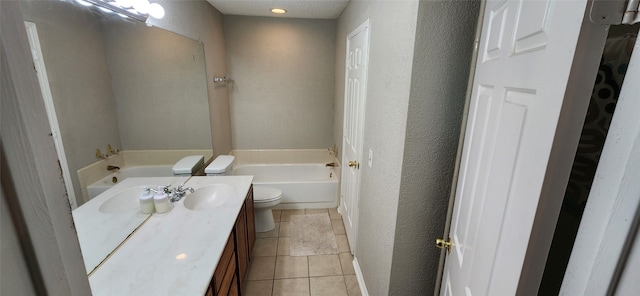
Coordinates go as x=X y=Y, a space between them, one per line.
x=606 y=233
x=41 y=72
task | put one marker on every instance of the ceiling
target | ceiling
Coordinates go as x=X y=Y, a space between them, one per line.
x=309 y=9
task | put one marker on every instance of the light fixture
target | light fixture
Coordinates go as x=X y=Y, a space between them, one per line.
x=278 y=10
x=136 y=9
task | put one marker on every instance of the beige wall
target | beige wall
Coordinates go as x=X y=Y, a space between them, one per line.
x=159 y=86
x=441 y=62
x=282 y=93
x=198 y=20
x=392 y=35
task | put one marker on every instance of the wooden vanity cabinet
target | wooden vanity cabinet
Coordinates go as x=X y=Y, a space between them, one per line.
x=229 y=276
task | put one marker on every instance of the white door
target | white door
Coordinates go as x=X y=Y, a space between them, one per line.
x=353 y=129
x=524 y=60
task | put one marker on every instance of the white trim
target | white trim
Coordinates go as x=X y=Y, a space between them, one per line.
x=359 y=277
x=38 y=62
x=613 y=200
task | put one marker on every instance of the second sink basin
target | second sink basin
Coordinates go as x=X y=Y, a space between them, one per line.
x=209 y=197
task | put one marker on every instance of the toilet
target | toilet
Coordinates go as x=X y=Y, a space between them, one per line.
x=264 y=197
x=188 y=165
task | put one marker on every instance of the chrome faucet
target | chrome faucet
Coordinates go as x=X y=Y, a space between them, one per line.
x=179 y=192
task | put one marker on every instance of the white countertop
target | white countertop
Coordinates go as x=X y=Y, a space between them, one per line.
x=174 y=253
x=99 y=233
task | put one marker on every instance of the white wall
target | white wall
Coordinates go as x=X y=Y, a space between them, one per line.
x=282 y=93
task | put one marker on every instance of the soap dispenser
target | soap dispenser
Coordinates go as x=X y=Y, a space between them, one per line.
x=161 y=200
x=146 y=202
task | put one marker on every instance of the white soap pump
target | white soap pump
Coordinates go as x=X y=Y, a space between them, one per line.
x=161 y=200
x=146 y=201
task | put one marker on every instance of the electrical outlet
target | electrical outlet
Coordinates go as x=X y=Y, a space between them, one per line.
x=370 y=161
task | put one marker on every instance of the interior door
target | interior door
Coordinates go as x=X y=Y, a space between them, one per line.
x=353 y=129
x=524 y=60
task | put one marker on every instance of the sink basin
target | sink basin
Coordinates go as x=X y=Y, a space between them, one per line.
x=209 y=197
x=123 y=201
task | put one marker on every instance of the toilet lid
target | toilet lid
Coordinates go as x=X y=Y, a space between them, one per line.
x=265 y=193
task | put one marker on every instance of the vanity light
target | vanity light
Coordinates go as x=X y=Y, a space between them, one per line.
x=156 y=11
x=136 y=9
x=84 y=3
x=278 y=10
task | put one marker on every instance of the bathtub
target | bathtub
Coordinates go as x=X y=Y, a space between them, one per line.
x=128 y=172
x=303 y=186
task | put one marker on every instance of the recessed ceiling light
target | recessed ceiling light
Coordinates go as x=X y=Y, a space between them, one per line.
x=278 y=10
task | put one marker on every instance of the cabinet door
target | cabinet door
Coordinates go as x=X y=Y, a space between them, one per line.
x=242 y=251
x=251 y=222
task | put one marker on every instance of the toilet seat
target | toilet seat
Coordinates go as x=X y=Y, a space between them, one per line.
x=265 y=194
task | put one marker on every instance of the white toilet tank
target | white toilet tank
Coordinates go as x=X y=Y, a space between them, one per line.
x=188 y=165
x=220 y=166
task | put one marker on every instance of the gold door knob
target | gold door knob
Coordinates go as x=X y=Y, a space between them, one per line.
x=354 y=163
x=443 y=244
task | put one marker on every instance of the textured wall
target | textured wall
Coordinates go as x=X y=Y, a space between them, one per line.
x=198 y=20
x=444 y=44
x=159 y=85
x=77 y=68
x=393 y=25
x=282 y=93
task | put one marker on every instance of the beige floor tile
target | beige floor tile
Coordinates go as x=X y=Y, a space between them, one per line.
x=272 y=233
x=276 y=215
x=265 y=246
x=338 y=227
x=328 y=285
x=262 y=268
x=324 y=265
x=343 y=243
x=258 y=288
x=346 y=260
x=284 y=229
x=353 y=289
x=291 y=267
x=291 y=287
x=333 y=213
x=286 y=214
x=284 y=246
x=316 y=211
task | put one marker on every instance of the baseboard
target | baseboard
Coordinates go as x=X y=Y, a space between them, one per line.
x=359 y=277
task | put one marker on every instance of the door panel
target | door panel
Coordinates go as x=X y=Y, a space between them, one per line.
x=353 y=131
x=526 y=54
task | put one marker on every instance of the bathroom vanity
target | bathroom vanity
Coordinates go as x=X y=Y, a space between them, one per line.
x=202 y=246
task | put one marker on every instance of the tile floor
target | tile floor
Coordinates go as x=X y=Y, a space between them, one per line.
x=272 y=272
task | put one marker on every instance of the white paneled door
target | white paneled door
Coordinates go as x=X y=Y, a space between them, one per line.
x=353 y=129
x=524 y=61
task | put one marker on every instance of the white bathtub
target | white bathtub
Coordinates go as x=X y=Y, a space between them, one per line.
x=303 y=186
x=128 y=172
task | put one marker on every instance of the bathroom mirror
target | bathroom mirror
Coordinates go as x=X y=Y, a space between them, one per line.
x=119 y=82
